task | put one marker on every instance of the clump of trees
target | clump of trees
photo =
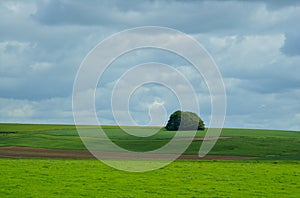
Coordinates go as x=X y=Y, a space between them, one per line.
x=182 y=120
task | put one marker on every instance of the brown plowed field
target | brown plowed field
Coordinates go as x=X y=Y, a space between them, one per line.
x=28 y=152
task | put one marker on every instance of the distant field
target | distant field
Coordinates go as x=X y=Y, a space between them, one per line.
x=91 y=178
x=265 y=144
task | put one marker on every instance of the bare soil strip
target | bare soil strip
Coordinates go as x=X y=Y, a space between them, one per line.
x=27 y=152
x=208 y=138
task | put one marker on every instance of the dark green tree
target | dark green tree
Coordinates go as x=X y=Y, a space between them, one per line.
x=181 y=120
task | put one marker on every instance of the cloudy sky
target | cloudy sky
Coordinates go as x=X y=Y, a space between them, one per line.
x=256 y=45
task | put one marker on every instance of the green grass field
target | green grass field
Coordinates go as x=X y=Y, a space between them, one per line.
x=266 y=144
x=90 y=178
x=275 y=173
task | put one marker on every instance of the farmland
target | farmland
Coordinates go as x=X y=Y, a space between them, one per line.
x=264 y=144
x=274 y=170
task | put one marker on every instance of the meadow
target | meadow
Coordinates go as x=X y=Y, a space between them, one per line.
x=265 y=144
x=91 y=178
x=274 y=173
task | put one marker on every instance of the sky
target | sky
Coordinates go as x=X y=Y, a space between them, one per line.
x=255 y=45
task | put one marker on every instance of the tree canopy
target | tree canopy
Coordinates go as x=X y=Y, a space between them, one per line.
x=182 y=120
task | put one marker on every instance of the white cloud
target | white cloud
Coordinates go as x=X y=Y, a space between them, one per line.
x=40 y=66
x=54 y=110
x=254 y=43
x=23 y=111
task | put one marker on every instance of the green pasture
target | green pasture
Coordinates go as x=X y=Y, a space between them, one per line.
x=91 y=178
x=265 y=144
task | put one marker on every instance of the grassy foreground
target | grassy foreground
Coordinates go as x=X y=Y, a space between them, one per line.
x=91 y=178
